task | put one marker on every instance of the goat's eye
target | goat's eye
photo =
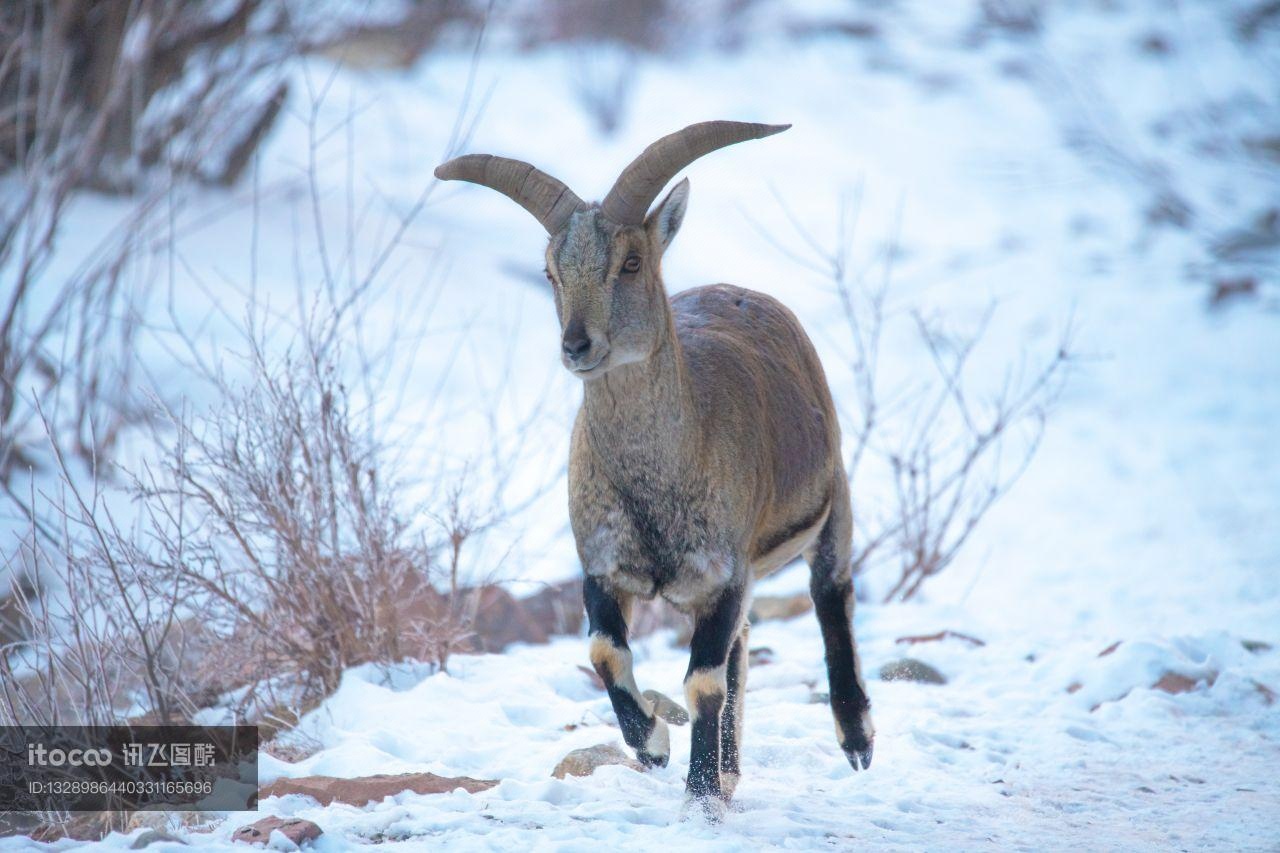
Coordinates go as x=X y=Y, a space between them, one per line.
x=631 y=264
x=550 y=278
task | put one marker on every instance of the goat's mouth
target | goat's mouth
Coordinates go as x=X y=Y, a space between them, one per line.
x=589 y=367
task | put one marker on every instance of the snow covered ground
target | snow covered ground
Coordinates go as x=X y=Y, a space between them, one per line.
x=1149 y=516
x=1000 y=756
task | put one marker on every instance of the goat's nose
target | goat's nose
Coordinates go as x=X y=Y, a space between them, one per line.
x=576 y=341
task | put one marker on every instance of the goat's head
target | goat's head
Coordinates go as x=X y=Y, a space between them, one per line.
x=604 y=260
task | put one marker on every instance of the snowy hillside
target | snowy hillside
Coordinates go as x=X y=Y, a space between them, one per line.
x=1032 y=170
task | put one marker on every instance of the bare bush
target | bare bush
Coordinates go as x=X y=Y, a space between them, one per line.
x=132 y=98
x=274 y=509
x=942 y=451
x=67 y=344
x=944 y=483
x=111 y=644
x=268 y=543
x=268 y=552
x=99 y=638
x=104 y=95
x=98 y=92
x=266 y=549
x=278 y=517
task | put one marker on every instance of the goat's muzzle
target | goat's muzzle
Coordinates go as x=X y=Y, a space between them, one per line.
x=581 y=353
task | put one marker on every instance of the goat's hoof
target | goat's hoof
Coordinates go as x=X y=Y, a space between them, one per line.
x=859 y=745
x=648 y=759
x=657 y=748
x=705 y=807
x=859 y=758
x=728 y=784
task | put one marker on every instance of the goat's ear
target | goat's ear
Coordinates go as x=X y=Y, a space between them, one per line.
x=664 y=220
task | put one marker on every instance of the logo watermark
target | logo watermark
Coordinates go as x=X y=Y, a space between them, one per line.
x=78 y=768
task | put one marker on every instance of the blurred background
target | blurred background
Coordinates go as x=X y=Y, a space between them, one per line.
x=274 y=404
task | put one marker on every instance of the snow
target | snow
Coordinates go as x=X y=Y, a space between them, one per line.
x=1001 y=756
x=1148 y=517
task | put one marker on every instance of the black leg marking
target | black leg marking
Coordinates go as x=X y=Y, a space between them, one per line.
x=849 y=702
x=611 y=657
x=714 y=631
x=831 y=586
x=731 y=718
x=706 y=686
x=704 y=761
x=635 y=724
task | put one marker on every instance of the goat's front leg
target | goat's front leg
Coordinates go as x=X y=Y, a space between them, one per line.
x=731 y=719
x=706 y=688
x=611 y=657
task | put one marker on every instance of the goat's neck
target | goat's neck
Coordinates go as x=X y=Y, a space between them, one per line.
x=641 y=418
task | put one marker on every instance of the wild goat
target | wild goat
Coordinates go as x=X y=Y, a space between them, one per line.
x=706 y=452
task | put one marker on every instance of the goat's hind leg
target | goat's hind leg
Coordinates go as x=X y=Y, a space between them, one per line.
x=831 y=585
x=611 y=657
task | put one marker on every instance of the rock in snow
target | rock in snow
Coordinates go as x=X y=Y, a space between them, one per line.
x=154 y=836
x=667 y=708
x=1173 y=682
x=766 y=607
x=362 y=790
x=296 y=830
x=583 y=762
x=910 y=669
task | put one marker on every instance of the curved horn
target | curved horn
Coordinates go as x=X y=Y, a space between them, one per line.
x=549 y=200
x=639 y=184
